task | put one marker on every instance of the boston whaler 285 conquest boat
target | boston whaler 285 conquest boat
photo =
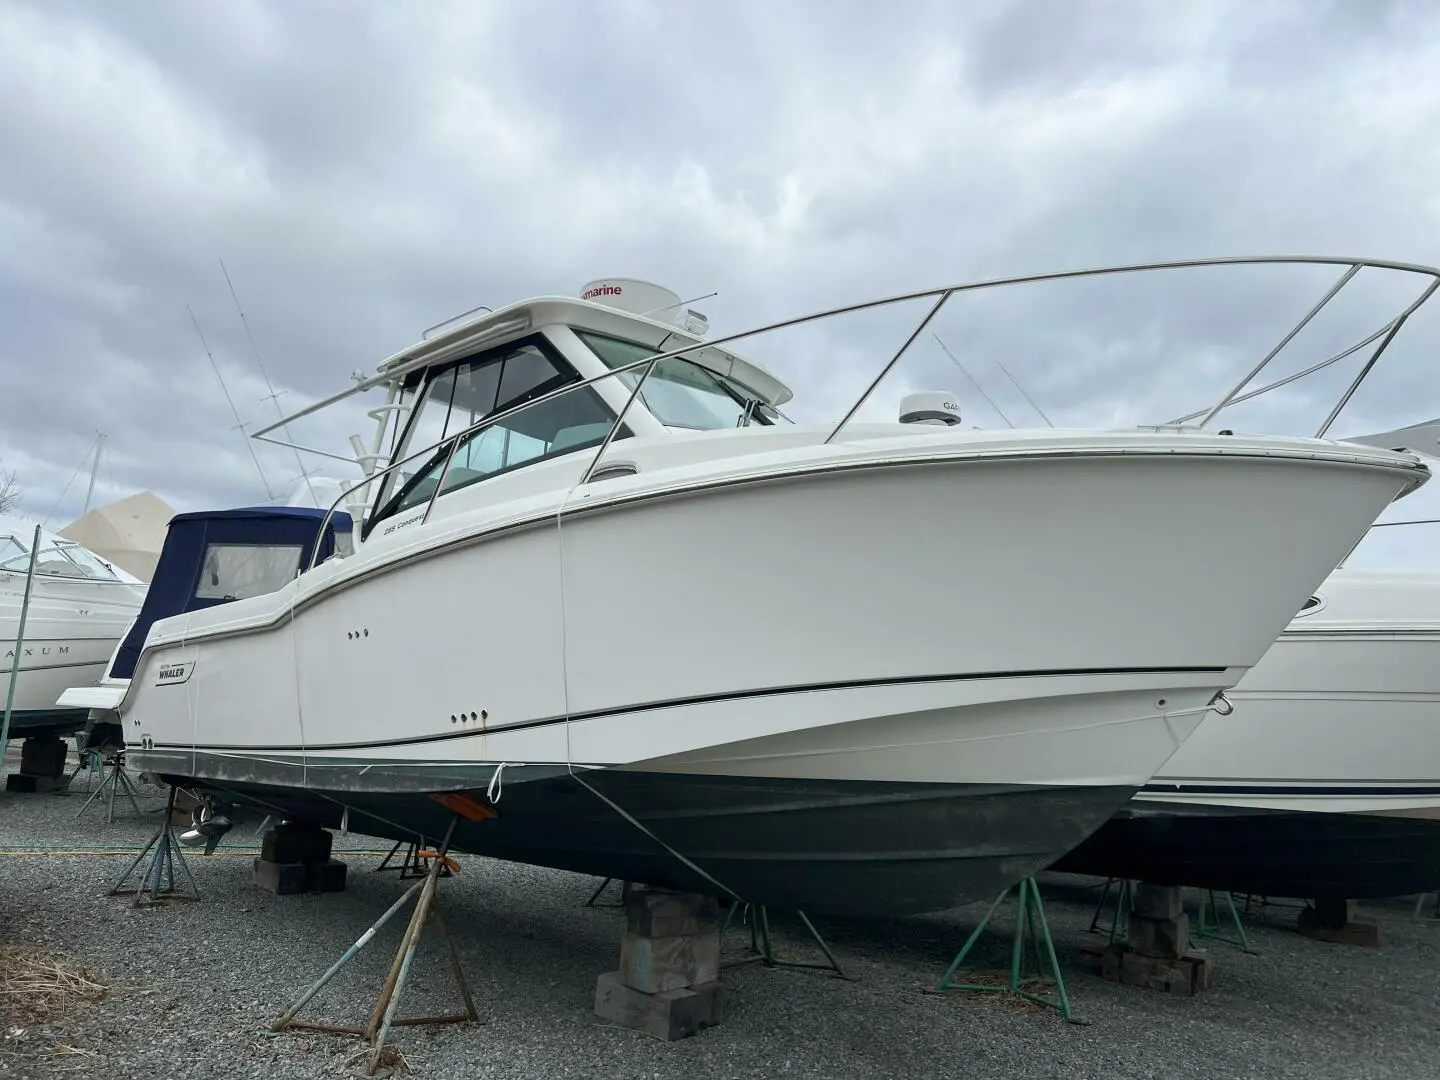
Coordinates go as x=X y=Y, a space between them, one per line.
x=607 y=592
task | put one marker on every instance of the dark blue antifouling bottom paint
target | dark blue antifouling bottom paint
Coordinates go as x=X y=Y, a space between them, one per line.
x=822 y=846
x=1305 y=854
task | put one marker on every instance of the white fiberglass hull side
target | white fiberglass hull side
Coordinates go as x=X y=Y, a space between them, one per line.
x=1325 y=780
x=1343 y=723
x=71 y=629
x=1043 y=623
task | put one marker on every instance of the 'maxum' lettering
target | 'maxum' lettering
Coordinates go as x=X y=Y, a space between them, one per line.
x=45 y=650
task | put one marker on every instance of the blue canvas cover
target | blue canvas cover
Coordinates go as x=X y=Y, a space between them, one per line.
x=177 y=572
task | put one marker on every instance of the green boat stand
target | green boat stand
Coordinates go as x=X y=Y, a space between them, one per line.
x=762 y=946
x=1208 y=923
x=1210 y=910
x=1124 y=902
x=1030 y=925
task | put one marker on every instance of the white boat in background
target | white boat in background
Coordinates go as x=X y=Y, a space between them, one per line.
x=1324 y=782
x=80 y=606
x=870 y=667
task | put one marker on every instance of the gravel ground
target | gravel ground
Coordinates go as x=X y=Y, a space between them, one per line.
x=195 y=985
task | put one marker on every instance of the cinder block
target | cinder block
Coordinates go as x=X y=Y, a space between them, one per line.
x=296 y=842
x=1160 y=937
x=1185 y=975
x=1331 y=912
x=328 y=876
x=282 y=879
x=1207 y=976
x=654 y=965
x=1150 y=972
x=1158 y=901
x=661 y=913
x=33 y=785
x=43 y=755
x=1357 y=931
x=1110 y=963
x=669 y=1015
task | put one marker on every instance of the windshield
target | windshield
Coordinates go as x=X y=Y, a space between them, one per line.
x=88 y=562
x=58 y=561
x=680 y=393
x=461 y=395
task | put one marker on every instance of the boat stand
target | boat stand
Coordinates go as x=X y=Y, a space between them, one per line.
x=412 y=864
x=1124 y=902
x=1032 y=925
x=167 y=853
x=90 y=763
x=596 y=895
x=1208 y=925
x=382 y=1017
x=116 y=780
x=762 y=945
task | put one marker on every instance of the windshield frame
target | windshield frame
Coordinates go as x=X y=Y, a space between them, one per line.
x=397 y=487
x=20 y=563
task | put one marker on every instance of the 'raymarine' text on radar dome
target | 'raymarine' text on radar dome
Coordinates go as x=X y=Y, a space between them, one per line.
x=647 y=299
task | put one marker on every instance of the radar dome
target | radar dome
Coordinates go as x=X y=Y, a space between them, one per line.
x=645 y=298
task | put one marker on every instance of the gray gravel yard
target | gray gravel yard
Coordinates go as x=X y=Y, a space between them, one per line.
x=194 y=986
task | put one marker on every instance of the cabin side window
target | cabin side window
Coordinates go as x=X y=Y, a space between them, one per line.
x=464 y=394
x=239 y=571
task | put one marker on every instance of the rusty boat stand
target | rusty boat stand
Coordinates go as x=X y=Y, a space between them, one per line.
x=383 y=1018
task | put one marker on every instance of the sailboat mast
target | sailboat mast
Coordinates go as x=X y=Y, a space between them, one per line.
x=94 y=470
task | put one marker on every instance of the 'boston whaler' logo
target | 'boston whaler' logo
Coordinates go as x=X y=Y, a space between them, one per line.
x=174 y=673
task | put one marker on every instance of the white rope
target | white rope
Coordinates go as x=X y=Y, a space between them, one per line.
x=497 y=783
x=570 y=764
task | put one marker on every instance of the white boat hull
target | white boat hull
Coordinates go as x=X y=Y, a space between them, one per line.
x=70 y=632
x=993 y=632
x=1325 y=780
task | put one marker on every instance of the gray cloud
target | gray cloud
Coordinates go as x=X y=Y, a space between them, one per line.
x=367 y=171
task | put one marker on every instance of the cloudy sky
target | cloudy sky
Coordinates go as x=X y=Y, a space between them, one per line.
x=367 y=170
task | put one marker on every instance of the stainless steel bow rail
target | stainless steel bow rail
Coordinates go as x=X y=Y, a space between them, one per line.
x=1381 y=339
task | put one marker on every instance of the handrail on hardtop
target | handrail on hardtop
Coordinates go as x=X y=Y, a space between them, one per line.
x=1386 y=334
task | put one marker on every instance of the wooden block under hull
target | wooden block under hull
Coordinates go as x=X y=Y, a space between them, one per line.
x=669 y=1015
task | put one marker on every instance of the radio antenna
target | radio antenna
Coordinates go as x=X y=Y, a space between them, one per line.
x=682 y=303
x=973 y=382
x=239 y=424
x=1027 y=397
x=273 y=397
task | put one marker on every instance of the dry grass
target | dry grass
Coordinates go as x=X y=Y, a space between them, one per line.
x=392 y=1063
x=39 y=987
